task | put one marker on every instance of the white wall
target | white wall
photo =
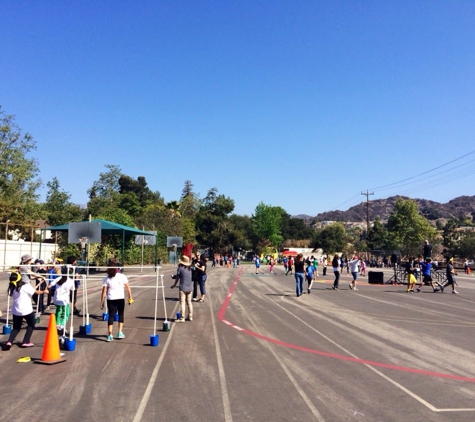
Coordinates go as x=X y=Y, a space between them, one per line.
x=15 y=249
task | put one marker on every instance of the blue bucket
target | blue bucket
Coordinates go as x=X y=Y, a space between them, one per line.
x=70 y=345
x=85 y=329
x=105 y=316
x=7 y=329
x=154 y=340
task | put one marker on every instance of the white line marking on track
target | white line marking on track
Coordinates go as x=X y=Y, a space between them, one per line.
x=228 y=417
x=151 y=382
x=401 y=387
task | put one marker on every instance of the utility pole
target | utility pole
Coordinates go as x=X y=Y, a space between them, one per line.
x=367 y=194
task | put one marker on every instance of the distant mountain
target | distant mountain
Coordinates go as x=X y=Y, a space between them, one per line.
x=432 y=210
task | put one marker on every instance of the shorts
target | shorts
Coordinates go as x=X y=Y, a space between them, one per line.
x=355 y=275
x=427 y=278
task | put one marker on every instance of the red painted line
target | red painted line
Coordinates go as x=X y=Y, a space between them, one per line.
x=222 y=312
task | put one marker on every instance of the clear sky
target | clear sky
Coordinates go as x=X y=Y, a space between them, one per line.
x=299 y=104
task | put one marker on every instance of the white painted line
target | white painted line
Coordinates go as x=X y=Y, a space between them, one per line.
x=292 y=379
x=407 y=391
x=238 y=328
x=228 y=417
x=153 y=378
x=227 y=322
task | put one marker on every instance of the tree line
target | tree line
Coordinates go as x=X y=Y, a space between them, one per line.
x=208 y=222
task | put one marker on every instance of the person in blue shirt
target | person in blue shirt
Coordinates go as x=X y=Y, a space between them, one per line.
x=257 y=263
x=309 y=275
x=426 y=275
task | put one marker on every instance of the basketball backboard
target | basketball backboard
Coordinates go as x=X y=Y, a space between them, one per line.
x=90 y=229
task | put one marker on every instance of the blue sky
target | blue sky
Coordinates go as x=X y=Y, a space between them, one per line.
x=298 y=104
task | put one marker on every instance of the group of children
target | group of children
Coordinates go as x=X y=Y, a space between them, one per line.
x=54 y=281
x=426 y=269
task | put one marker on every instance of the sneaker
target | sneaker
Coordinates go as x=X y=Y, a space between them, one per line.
x=190 y=318
x=354 y=288
x=442 y=289
x=27 y=345
x=195 y=299
x=418 y=290
x=309 y=291
x=110 y=337
x=436 y=290
x=180 y=319
x=120 y=335
x=455 y=292
x=8 y=346
x=77 y=311
x=351 y=286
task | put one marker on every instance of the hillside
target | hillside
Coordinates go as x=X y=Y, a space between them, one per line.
x=383 y=207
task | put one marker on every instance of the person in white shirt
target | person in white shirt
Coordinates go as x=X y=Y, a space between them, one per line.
x=22 y=309
x=354 y=269
x=63 y=286
x=113 y=288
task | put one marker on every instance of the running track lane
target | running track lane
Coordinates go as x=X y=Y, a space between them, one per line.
x=221 y=316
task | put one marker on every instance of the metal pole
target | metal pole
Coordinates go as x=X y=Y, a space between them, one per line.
x=5 y=246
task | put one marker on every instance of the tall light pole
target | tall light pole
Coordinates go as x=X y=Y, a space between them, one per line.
x=367 y=194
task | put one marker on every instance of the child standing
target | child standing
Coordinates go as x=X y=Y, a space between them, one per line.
x=63 y=285
x=309 y=274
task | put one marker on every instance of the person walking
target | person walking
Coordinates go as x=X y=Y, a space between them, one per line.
x=290 y=266
x=353 y=265
x=113 y=289
x=299 y=274
x=450 y=273
x=26 y=271
x=22 y=309
x=325 y=265
x=202 y=277
x=271 y=265
x=184 y=277
x=427 y=250
x=62 y=286
x=336 y=271
x=310 y=275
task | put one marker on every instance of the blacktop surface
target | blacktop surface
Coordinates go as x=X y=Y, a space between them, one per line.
x=256 y=352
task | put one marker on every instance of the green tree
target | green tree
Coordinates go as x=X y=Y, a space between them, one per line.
x=331 y=239
x=467 y=245
x=58 y=207
x=451 y=238
x=408 y=228
x=379 y=238
x=144 y=196
x=18 y=173
x=189 y=202
x=107 y=186
x=212 y=221
x=266 y=222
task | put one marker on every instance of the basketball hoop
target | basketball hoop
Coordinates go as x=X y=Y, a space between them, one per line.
x=83 y=241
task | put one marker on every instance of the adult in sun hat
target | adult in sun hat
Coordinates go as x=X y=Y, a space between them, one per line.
x=26 y=271
x=22 y=309
x=451 y=273
x=183 y=276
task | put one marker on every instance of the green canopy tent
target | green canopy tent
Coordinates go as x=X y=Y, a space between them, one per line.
x=108 y=228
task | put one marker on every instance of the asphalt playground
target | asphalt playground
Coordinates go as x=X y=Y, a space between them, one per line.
x=256 y=352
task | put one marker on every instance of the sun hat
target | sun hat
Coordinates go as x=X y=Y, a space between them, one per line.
x=184 y=260
x=26 y=258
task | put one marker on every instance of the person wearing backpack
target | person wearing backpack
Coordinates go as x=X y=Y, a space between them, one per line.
x=22 y=309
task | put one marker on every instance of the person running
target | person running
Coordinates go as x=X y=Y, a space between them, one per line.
x=113 y=288
x=290 y=266
x=325 y=265
x=411 y=280
x=299 y=274
x=22 y=309
x=286 y=262
x=353 y=265
x=257 y=263
x=426 y=275
x=336 y=271
x=271 y=265
x=315 y=265
x=450 y=273
x=184 y=277
x=310 y=275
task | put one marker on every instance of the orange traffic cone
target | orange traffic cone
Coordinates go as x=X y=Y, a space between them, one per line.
x=51 y=353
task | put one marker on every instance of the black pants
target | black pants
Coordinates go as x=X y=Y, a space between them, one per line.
x=337 y=278
x=115 y=306
x=17 y=320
